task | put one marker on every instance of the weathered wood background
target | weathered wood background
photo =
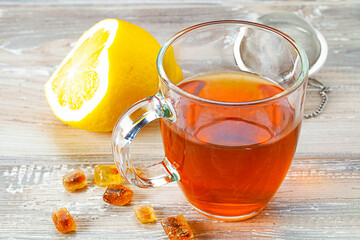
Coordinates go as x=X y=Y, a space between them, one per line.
x=320 y=197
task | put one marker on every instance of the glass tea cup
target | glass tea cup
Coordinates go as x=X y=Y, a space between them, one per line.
x=229 y=155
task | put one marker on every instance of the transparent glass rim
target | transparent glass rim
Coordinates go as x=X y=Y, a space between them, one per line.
x=301 y=78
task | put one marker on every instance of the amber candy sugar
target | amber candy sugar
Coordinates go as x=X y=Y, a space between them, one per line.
x=63 y=220
x=116 y=194
x=74 y=180
x=177 y=228
x=145 y=213
x=104 y=175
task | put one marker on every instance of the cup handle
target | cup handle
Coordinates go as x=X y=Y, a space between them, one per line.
x=126 y=128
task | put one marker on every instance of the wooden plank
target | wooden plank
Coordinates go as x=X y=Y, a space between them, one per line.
x=318 y=198
x=38 y=132
x=67 y=22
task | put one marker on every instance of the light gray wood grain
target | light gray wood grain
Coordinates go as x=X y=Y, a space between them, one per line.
x=320 y=197
x=316 y=200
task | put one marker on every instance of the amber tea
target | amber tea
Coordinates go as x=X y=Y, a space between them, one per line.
x=231 y=161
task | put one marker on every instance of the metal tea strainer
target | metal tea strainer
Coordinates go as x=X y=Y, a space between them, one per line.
x=310 y=39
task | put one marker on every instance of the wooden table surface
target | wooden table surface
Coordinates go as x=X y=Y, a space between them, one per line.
x=320 y=197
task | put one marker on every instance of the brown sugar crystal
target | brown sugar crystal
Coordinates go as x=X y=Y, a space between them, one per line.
x=104 y=175
x=74 y=180
x=63 y=220
x=145 y=213
x=177 y=228
x=116 y=194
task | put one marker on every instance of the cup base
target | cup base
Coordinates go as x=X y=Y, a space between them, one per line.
x=229 y=218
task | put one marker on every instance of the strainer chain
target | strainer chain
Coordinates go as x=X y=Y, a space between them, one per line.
x=323 y=90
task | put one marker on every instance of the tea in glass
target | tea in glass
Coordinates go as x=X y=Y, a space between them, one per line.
x=232 y=161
